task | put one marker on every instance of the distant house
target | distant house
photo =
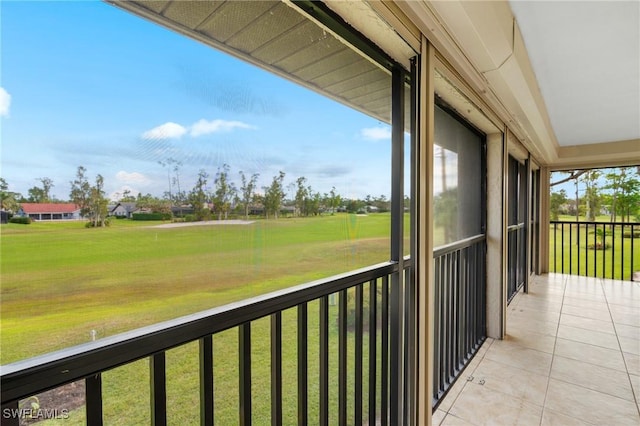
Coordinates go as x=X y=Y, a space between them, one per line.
x=123 y=209
x=50 y=211
x=179 y=211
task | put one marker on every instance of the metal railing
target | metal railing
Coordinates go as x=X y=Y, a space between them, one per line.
x=460 y=309
x=372 y=377
x=595 y=249
x=516 y=258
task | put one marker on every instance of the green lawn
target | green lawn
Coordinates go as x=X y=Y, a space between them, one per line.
x=60 y=281
x=613 y=262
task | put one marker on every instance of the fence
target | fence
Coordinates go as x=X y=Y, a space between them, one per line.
x=460 y=313
x=595 y=249
x=362 y=313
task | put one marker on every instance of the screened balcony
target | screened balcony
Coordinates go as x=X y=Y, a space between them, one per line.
x=461 y=323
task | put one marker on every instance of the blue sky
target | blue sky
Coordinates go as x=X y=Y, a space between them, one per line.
x=85 y=83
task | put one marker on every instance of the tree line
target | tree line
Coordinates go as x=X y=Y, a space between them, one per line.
x=217 y=196
x=613 y=191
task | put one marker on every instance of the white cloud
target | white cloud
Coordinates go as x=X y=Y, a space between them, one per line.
x=133 y=177
x=119 y=193
x=5 y=102
x=167 y=130
x=204 y=127
x=376 y=133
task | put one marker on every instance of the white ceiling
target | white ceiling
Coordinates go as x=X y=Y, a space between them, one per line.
x=586 y=58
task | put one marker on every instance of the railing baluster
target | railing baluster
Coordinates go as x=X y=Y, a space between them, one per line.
x=302 y=365
x=158 y=378
x=633 y=236
x=244 y=355
x=437 y=339
x=342 y=358
x=604 y=251
x=578 y=245
x=555 y=248
x=324 y=361
x=586 y=250
x=357 y=391
x=206 y=381
x=562 y=245
x=613 y=251
x=384 y=410
x=622 y=254
x=93 y=400
x=409 y=347
x=595 y=250
x=276 y=369
x=395 y=315
x=570 y=248
x=373 y=358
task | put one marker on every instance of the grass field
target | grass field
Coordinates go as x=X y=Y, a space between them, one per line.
x=617 y=261
x=61 y=280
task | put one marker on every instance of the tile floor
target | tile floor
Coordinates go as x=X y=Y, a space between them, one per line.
x=571 y=357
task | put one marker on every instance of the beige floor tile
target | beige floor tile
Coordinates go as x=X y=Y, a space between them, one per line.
x=624 y=309
x=605 y=380
x=453 y=393
x=596 y=298
x=534 y=315
x=437 y=417
x=530 y=339
x=519 y=357
x=527 y=304
x=543 y=327
x=480 y=405
x=600 y=305
x=552 y=418
x=628 y=331
x=621 y=293
x=597 y=338
x=598 y=314
x=633 y=363
x=609 y=358
x=513 y=381
x=590 y=406
x=452 y=420
x=485 y=347
x=623 y=303
x=628 y=319
x=635 y=384
x=628 y=345
x=587 y=323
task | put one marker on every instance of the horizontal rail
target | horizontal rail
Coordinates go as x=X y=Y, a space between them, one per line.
x=28 y=377
x=455 y=246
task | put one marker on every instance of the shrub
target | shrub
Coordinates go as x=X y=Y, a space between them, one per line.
x=21 y=220
x=599 y=246
x=151 y=216
x=100 y=224
x=627 y=234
